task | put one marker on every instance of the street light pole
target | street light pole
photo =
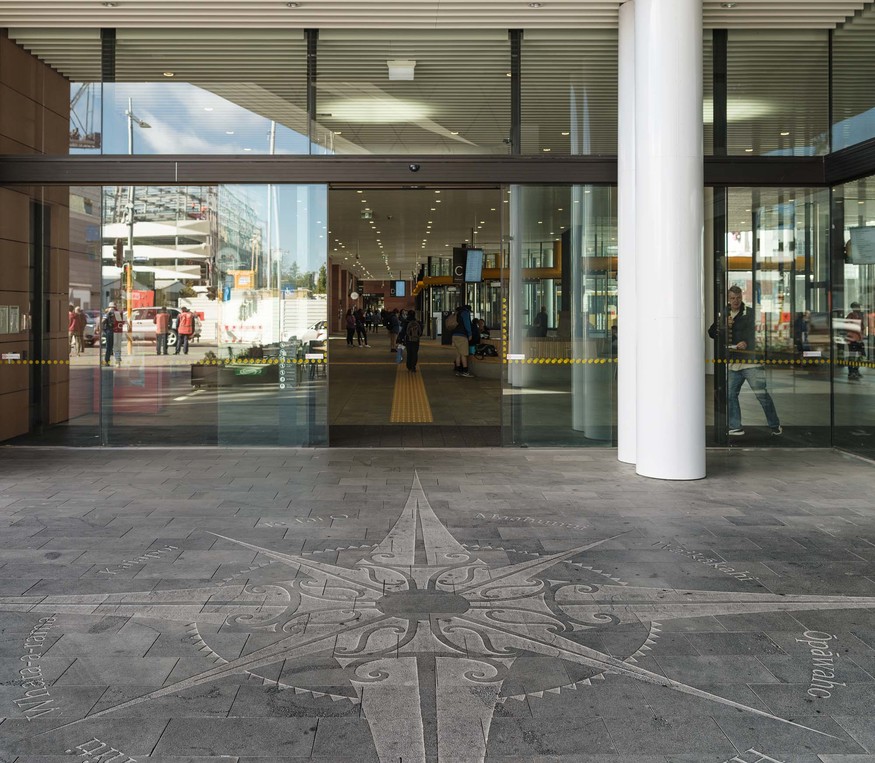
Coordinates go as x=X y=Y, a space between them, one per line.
x=129 y=279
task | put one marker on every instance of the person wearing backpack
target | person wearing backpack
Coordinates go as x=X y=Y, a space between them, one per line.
x=462 y=335
x=412 y=335
x=110 y=325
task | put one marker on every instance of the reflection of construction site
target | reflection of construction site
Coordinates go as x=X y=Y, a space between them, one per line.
x=83 y=106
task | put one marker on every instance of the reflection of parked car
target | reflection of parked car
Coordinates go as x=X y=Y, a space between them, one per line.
x=91 y=331
x=318 y=332
x=818 y=330
x=143 y=324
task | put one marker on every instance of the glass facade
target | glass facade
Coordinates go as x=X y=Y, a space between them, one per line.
x=569 y=92
x=853 y=60
x=778 y=92
x=198 y=315
x=777 y=255
x=561 y=287
x=413 y=92
x=853 y=315
x=253 y=265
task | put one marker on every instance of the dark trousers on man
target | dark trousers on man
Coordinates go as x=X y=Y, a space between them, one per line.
x=161 y=344
x=182 y=343
x=412 y=354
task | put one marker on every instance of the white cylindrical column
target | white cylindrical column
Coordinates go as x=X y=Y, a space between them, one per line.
x=670 y=388
x=626 y=329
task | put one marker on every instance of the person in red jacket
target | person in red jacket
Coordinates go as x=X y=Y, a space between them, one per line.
x=184 y=330
x=162 y=329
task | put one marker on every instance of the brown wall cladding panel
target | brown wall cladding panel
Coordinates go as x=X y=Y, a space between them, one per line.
x=14 y=421
x=18 y=118
x=14 y=217
x=20 y=71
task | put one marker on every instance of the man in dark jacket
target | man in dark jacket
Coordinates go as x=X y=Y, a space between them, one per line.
x=740 y=337
x=462 y=336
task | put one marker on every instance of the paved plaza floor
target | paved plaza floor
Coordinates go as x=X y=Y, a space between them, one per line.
x=434 y=605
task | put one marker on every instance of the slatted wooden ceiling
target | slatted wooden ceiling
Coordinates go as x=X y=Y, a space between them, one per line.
x=431 y=14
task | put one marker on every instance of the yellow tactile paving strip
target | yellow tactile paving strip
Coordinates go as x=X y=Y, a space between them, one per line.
x=410 y=401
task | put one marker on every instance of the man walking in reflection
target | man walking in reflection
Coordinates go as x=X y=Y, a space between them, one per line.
x=740 y=336
x=162 y=330
x=184 y=330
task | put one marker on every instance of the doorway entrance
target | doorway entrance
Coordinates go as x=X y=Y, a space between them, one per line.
x=392 y=252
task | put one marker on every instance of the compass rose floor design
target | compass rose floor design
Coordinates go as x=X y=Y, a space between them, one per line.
x=434 y=606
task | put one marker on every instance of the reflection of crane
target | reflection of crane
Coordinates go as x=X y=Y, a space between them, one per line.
x=82 y=134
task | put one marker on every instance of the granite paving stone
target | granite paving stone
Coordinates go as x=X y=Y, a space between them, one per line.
x=537 y=606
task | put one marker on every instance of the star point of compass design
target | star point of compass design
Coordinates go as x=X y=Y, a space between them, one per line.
x=427 y=632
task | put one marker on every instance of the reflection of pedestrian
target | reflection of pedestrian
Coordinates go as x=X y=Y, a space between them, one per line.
x=162 y=329
x=111 y=327
x=360 y=332
x=184 y=330
x=541 y=322
x=350 y=327
x=76 y=329
x=393 y=324
x=740 y=336
x=461 y=338
x=800 y=331
x=856 y=348
x=412 y=335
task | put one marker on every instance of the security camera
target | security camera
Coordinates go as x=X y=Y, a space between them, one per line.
x=413 y=167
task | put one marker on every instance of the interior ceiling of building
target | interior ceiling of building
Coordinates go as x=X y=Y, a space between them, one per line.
x=252 y=53
x=431 y=14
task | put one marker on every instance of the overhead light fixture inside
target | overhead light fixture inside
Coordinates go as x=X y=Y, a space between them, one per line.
x=293 y=5
x=110 y=5
x=401 y=69
x=169 y=74
x=728 y=5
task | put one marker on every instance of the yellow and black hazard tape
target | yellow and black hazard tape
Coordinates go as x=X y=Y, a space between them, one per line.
x=217 y=362
x=715 y=361
x=509 y=361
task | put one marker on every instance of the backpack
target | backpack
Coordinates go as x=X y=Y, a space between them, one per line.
x=108 y=323
x=414 y=331
x=452 y=322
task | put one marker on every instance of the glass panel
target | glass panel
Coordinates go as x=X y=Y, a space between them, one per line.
x=778 y=85
x=560 y=380
x=207 y=92
x=853 y=325
x=708 y=92
x=853 y=61
x=447 y=92
x=569 y=92
x=773 y=343
x=212 y=292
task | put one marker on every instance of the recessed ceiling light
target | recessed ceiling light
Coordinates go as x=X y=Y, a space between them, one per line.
x=247 y=149
x=208 y=108
x=169 y=74
x=536 y=5
x=454 y=132
x=229 y=132
x=110 y=5
x=293 y=5
x=566 y=133
x=546 y=149
x=728 y=5
x=748 y=150
x=508 y=74
x=785 y=133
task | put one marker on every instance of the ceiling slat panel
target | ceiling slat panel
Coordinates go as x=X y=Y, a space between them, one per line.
x=424 y=14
